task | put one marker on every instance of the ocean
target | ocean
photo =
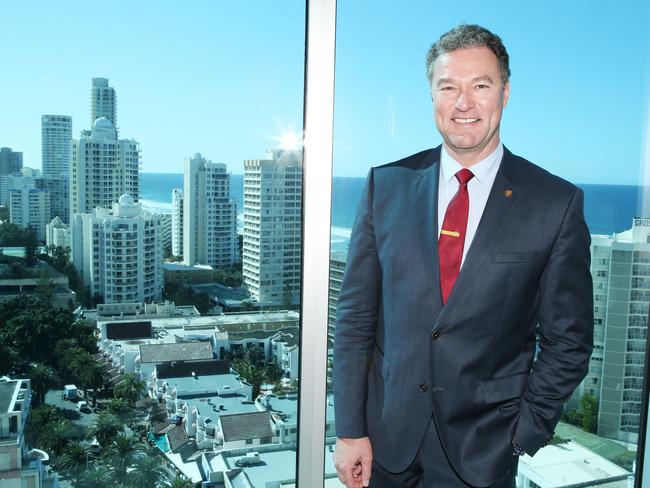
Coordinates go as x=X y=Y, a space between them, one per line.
x=608 y=208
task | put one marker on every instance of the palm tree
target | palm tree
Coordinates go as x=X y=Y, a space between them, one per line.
x=43 y=379
x=118 y=406
x=91 y=376
x=54 y=437
x=122 y=453
x=105 y=428
x=74 y=459
x=130 y=388
x=178 y=482
x=96 y=476
x=147 y=472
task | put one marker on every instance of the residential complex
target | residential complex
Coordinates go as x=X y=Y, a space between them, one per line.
x=621 y=274
x=57 y=233
x=209 y=214
x=103 y=167
x=103 y=102
x=272 y=227
x=56 y=135
x=10 y=161
x=19 y=467
x=118 y=251
x=29 y=207
x=177 y=222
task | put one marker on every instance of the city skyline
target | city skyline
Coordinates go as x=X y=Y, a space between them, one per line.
x=229 y=84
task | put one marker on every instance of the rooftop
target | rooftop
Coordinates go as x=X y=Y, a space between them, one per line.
x=184 y=369
x=568 y=463
x=182 y=351
x=244 y=426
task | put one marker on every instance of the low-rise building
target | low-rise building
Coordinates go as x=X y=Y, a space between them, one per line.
x=29 y=279
x=19 y=466
x=57 y=234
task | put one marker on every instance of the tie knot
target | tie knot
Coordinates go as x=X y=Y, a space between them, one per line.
x=464 y=175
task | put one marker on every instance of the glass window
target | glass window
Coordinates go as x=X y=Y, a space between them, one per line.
x=205 y=99
x=558 y=116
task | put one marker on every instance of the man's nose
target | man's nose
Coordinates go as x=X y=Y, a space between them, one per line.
x=464 y=101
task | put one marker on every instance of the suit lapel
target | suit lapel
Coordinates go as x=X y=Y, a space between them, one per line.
x=501 y=201
x=426 y=190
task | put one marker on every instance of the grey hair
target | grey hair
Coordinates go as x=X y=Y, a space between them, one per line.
x=469 y=35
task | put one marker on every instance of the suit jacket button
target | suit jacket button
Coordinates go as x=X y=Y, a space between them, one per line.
x=424 y=387
x=435 y=335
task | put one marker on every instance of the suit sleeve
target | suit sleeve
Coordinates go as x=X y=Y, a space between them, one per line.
x=565 y=331
x=356 y=321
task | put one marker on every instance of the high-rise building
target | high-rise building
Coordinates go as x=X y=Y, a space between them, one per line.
x=56 y=135
x=272 y=227
x=166 y=229
x=15 y=180
x=102 y=168
x=119 y=252
x=10 y=161
x=59 y=190
x=177 y=222
x=337 y=268
x=103 y=101
x=620 y=269
x=29 y=207
x=209 y=214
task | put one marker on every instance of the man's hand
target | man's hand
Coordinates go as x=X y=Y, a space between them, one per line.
x=353 y=461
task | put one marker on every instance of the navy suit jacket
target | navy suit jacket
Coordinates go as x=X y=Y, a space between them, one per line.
x=400 y=356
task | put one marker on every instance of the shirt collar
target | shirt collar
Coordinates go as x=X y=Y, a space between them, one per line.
x=481 y=170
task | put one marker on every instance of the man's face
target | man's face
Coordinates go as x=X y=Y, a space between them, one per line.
x=468 y=98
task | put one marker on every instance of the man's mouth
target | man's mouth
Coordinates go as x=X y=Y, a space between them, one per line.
x=465 y=120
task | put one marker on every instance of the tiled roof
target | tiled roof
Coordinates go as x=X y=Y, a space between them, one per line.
x=177 y=437
x=243 y=426
x=180 y=351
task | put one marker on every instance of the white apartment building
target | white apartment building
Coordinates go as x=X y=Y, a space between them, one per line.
x=177 y=222
x=102 y=168
x=620 y=270
x=119 y=252
x=19 y=467
x=57 y=233
x=56 y=135
x=29 y=207
x=166 y=226
x=103 y=101
x=14 y=180
x=209 y=214
x=272 y=227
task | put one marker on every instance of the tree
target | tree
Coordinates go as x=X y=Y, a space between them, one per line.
x=97 y=475
x=74 y=459
x=147 y=471
x=122 y=453
x=118 y=406
x=54 y=436
x=130 y=388
x=589 y=413
x=31 y=247
x=178 y=482
x=105 y=428
x=43 y=378
x=90 y=375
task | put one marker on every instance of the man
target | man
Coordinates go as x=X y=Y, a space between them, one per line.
x=459 y=258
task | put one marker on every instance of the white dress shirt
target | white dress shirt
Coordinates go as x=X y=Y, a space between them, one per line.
x=478 y=189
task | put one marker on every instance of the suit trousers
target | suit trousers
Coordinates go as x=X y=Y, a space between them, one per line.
x=431 y=469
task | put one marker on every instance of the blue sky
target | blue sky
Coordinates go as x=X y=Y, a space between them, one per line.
x=225 y=78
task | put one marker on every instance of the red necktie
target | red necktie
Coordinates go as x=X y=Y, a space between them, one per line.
x=452 y=236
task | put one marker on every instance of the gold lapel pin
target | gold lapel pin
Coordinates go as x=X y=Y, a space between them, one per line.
x=508 y=193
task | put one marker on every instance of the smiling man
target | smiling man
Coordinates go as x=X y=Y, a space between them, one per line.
x=463 y=260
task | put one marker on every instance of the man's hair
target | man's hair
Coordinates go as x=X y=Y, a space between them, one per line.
x=469 y=35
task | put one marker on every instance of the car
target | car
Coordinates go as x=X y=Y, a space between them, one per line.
x=250 y=459
x=84 y=407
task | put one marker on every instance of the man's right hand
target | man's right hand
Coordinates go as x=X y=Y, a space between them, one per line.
x=353 y=461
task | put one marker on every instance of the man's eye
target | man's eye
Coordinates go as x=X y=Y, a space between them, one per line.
x=447 y=88
x=480 y=87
